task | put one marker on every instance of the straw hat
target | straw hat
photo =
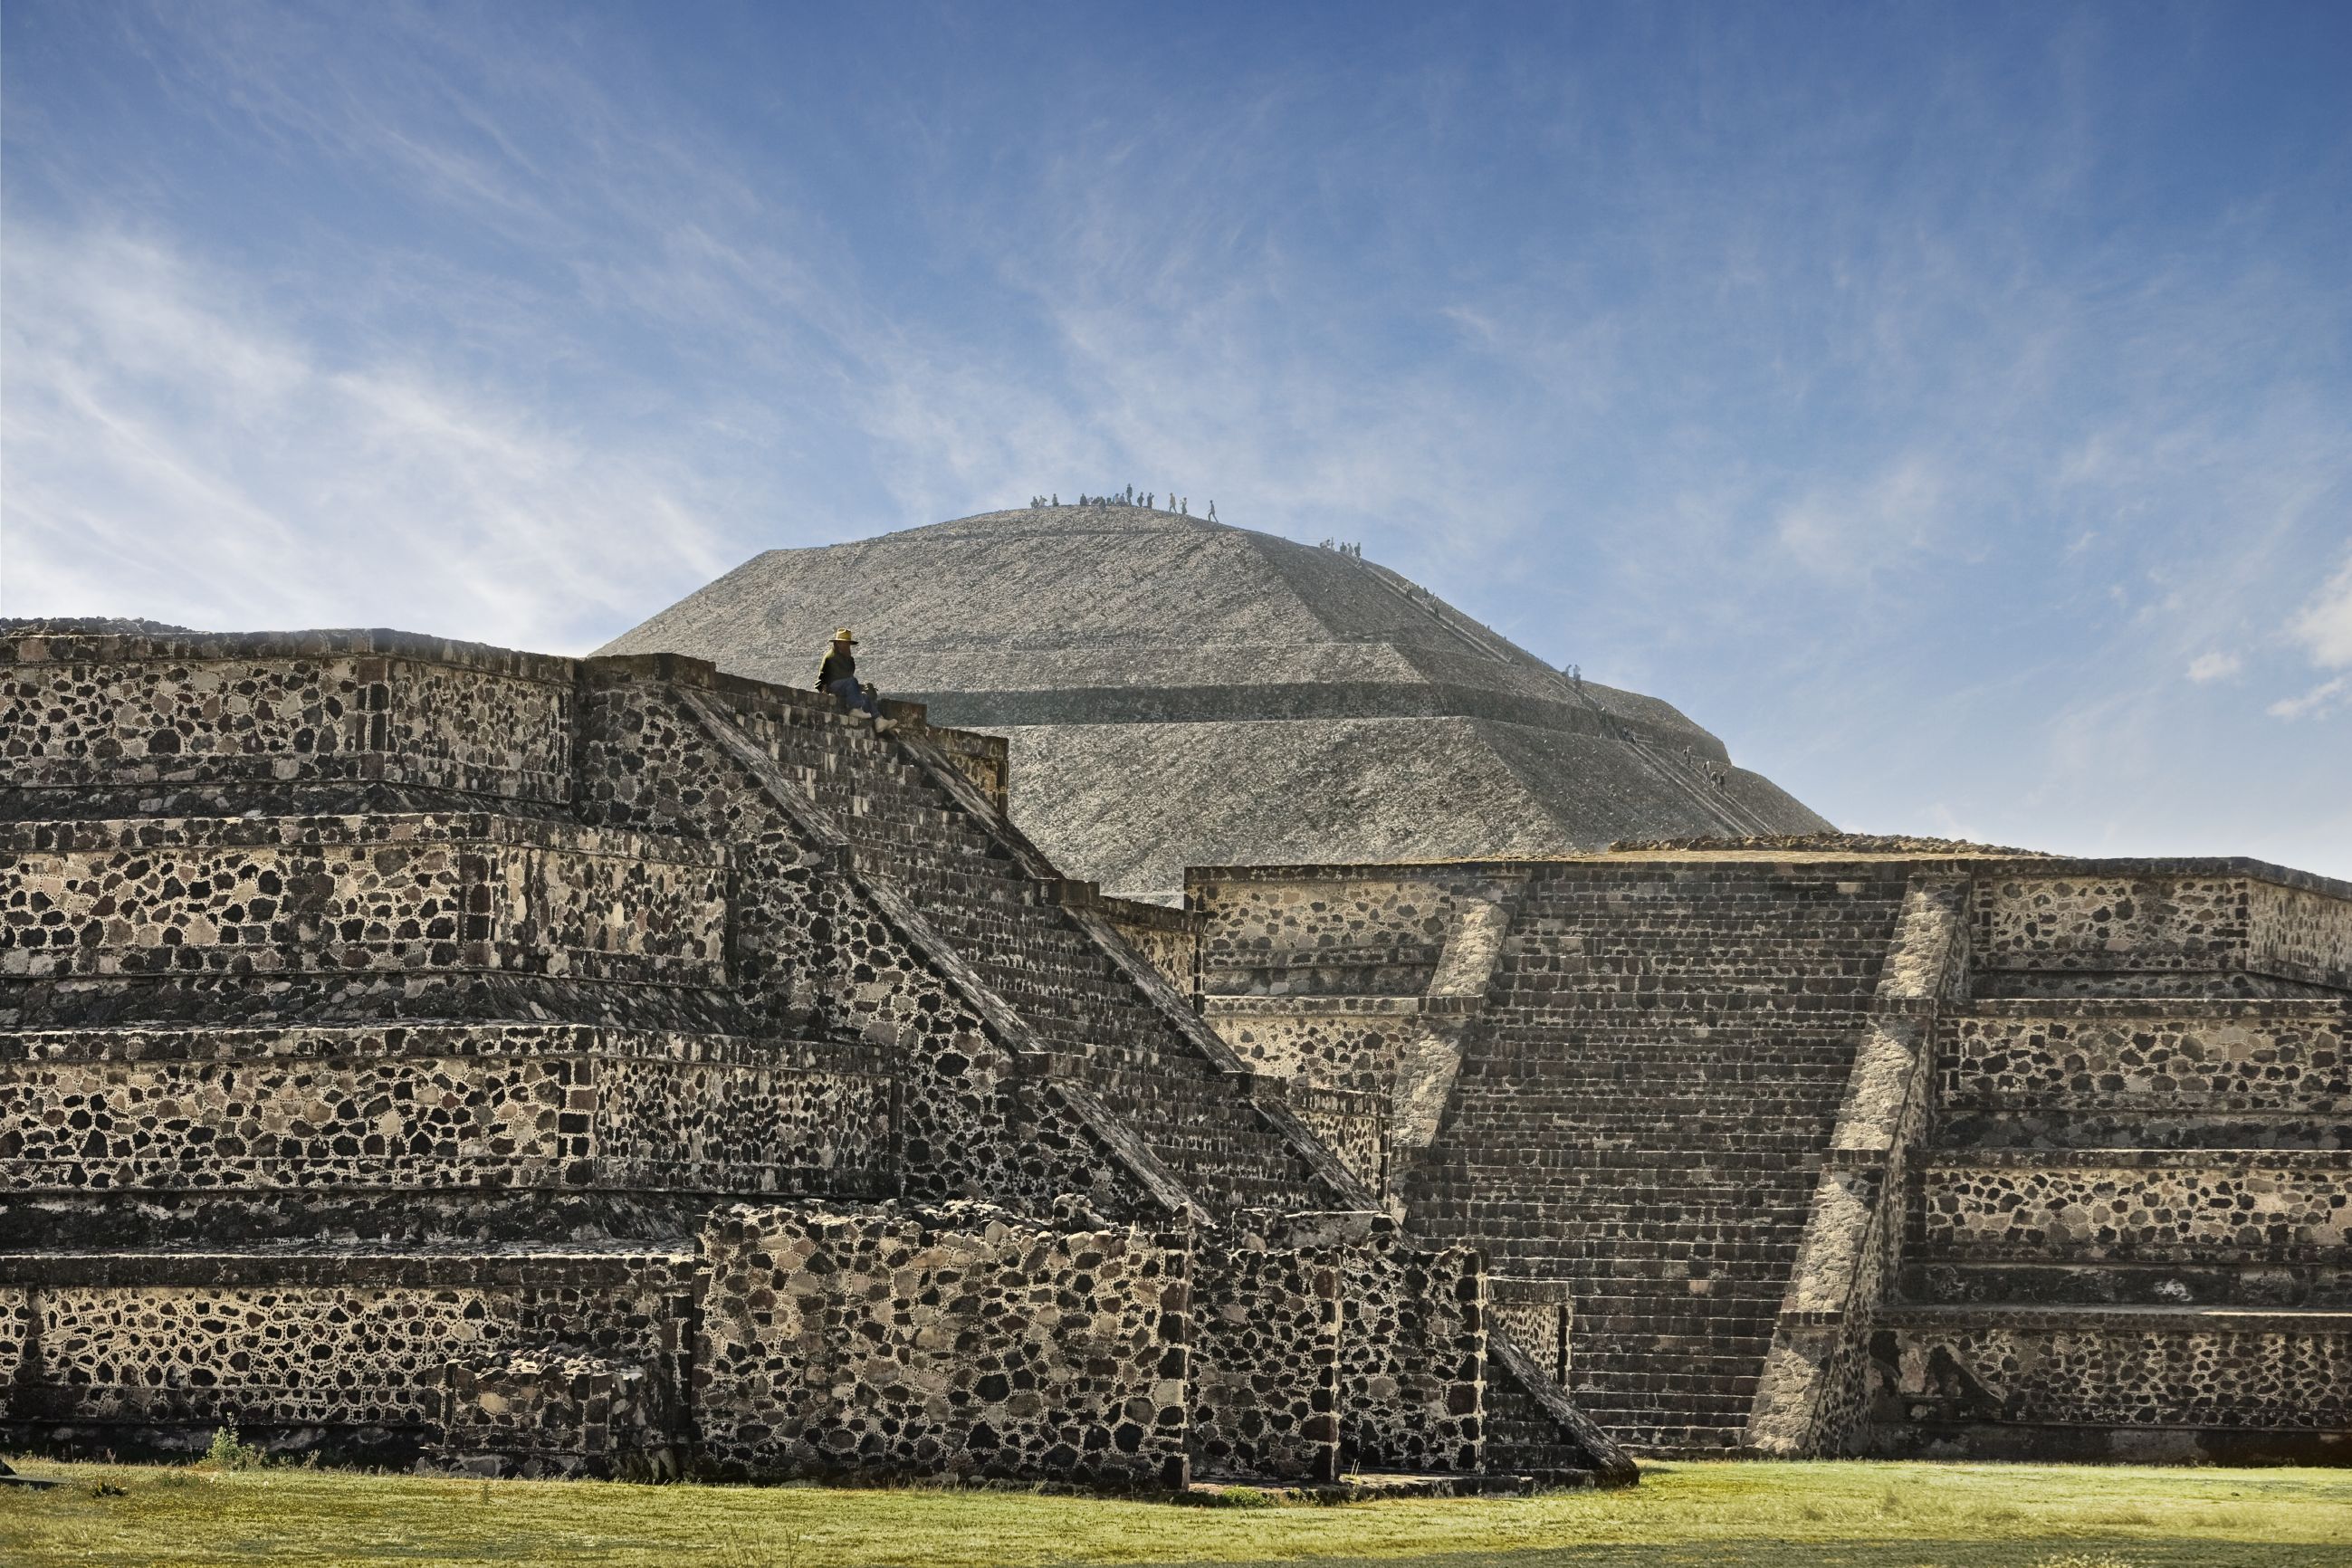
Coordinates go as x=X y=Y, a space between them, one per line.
x=843 y=636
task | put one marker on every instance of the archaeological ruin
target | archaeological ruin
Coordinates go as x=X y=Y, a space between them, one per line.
x=1177 y=693
x=421 y=1053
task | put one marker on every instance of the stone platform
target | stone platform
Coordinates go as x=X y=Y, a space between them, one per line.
x=1826 y=1152
x=418 y=1052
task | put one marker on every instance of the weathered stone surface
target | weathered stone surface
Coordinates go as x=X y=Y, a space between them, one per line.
x=1839 y=1145
x=1178 y=692
x=384 y=1022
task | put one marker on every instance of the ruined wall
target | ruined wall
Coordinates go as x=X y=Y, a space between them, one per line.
x=179 y=718
x=343 y=1352
x=1265 y=1359
x=2121 y=1385
x=962 y=1340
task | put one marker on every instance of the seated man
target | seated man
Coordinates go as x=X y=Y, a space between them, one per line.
x=838 y=675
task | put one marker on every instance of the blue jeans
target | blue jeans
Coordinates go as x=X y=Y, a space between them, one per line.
x=849 y=691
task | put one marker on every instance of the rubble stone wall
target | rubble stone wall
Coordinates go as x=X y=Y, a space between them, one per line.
x=2300 y=934
x=336 y=894
x=328 y=1350
x=176 y=714
x=2180 y=1206
x=2244 y=1371
x=957 y=1341
x=2072 y=1071
x=1266 y=1360
x=439 y=1106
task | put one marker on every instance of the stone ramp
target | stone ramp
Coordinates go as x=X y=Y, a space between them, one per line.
x=995 y=901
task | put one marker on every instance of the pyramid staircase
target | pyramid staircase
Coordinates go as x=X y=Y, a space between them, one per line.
x=371 y=1005
x=1642 y=1109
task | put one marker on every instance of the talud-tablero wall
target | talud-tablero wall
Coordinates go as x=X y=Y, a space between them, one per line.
x=414 y=1051
x=1825 y=1145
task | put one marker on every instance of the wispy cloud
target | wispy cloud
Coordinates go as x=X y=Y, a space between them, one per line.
x=175 y=450
x=2318 y=702
x=2324 y=627
x=1917 y=405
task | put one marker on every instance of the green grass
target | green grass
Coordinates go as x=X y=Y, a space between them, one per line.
x=1829 y=1515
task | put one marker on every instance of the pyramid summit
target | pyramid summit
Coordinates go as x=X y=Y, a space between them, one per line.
x=1180 y=692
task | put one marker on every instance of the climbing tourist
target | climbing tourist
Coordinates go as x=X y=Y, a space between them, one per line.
x=838 y=676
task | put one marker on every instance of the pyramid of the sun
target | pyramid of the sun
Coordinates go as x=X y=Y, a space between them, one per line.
x=1179 y=692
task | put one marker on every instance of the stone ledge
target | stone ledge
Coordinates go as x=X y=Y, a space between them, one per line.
x=2153 y=1008
x=133 y=1042
x=163 y=834
x=1225 y=1005
x=2040 y=1316
x=522 y=1264
x=151 y=648
x=2135 y=1158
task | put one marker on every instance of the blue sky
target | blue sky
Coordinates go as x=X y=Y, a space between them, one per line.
x=1951 y=406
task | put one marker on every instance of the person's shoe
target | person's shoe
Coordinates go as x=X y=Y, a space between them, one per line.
x=884 y=726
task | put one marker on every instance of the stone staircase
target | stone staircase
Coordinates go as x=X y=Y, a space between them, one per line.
x=996 y=901
x=1642 y=1109
x=423 y=1011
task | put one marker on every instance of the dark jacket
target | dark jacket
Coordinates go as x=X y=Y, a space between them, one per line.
x=838 y=666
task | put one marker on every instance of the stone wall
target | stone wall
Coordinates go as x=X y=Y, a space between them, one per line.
x=1413 y=1355
x=181 y=717
x=2120 y=1386
x=343 y=1352
x=2117 y=1205
x=438 y=1106
x=1266 y=1359
x=962 y=1340
x=552 y=1412
x=266 y=896
x=1168 y=939
x=1539 y=1315
x=2153 y=917
x=2177 y=1072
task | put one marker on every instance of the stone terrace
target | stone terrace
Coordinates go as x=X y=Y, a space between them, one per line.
x=548 y=1067
x=1823 y=1152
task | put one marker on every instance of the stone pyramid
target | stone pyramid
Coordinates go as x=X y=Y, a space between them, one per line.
x=1182 y=692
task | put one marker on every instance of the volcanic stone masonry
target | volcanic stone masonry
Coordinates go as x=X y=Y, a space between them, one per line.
x=418 y=1052
x=1821 y=1147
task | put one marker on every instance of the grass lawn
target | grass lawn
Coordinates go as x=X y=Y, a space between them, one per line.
x=1821 y=1515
